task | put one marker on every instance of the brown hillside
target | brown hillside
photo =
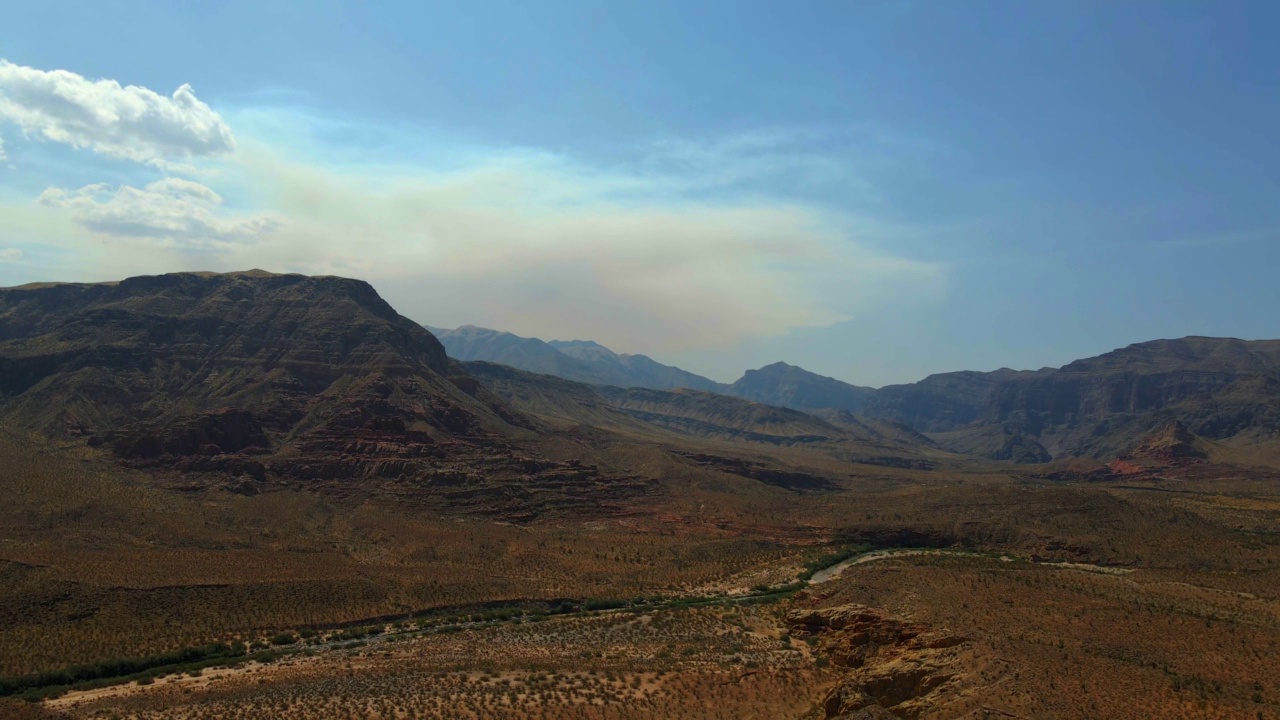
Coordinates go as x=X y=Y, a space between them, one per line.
x=253 y=378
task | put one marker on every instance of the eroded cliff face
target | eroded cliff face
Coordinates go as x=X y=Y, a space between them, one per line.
x=893 y=668
x=939 y=403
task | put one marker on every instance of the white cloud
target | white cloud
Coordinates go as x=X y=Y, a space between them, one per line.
x=126 y=122
x=519 y=239
x=2 y=155
x=173 y=212
x=10 y=255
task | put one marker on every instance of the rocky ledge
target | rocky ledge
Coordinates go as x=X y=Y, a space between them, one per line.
x=897 y=669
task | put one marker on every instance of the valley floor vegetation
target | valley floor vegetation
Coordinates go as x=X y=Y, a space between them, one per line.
x=1150 y=597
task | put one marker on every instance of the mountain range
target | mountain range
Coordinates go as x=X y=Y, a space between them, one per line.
x=252 y=381
x=255 y=374
x=1222 y=388
x=580 y=360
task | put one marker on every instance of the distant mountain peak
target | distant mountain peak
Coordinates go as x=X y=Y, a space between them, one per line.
x=563 y=344
x=794 y=387
x=584 y=361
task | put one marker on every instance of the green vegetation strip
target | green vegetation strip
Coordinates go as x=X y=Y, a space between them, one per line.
x=145 y=670
x=125 y=670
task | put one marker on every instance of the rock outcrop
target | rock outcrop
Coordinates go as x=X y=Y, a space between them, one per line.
x=1170 y=444
x=1168 y=447
x=896 y=669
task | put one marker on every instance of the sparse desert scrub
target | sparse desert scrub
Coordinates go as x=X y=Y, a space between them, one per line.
x=727 y=660
x=1075 y=643
x=104 y=564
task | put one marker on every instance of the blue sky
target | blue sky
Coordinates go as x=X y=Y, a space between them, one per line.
x=874 y=191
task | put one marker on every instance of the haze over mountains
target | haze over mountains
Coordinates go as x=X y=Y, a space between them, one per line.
x=1222 y=388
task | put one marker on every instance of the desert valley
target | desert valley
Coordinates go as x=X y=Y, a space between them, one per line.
x=249 y=495
x=581 y=360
